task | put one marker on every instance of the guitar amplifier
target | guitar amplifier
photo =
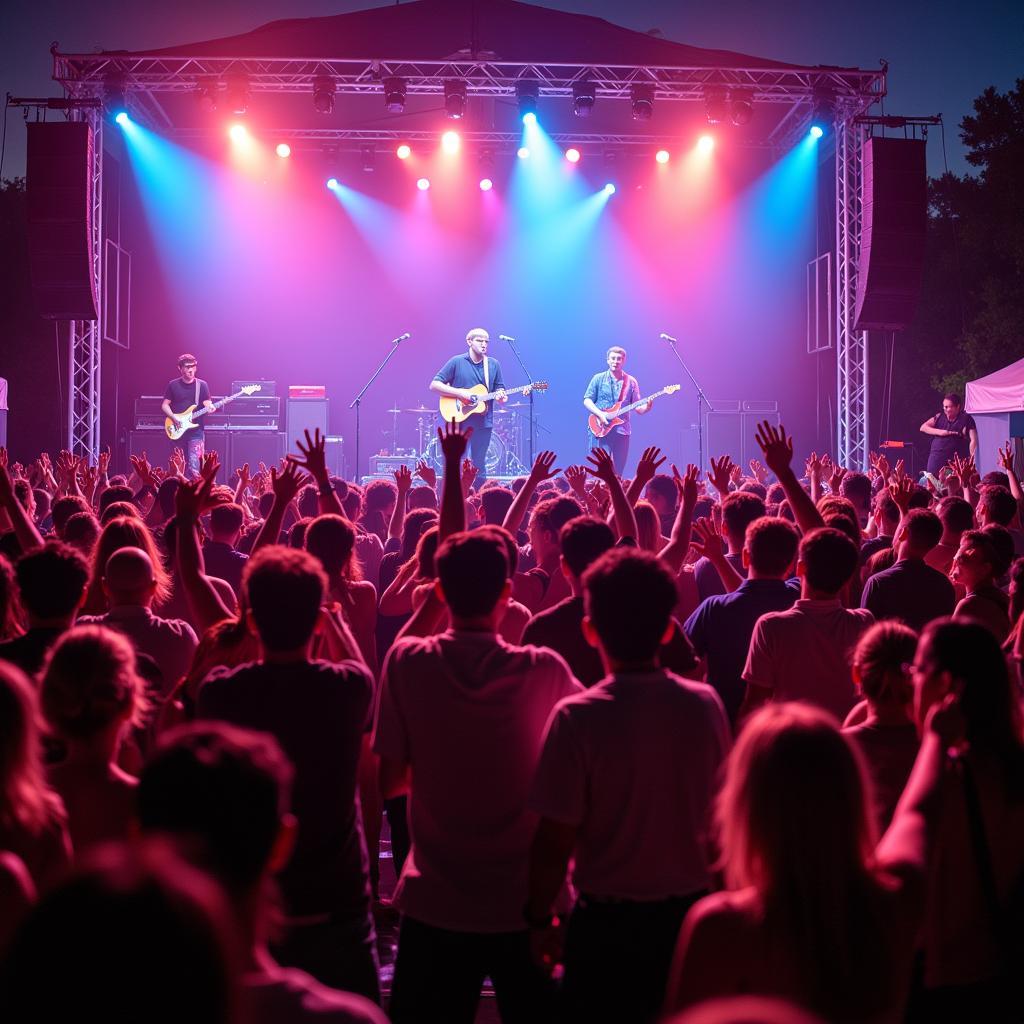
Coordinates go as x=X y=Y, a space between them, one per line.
x=385 y=465
x=255 y=412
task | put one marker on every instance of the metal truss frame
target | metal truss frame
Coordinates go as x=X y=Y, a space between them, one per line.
x=853 y=91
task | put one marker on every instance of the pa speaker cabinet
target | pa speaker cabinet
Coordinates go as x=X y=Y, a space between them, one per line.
x=59 y=179
x=158 y=447
x=306 y=414
x=895 y=218
x=256 y=446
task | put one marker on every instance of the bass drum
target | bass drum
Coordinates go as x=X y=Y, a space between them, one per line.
x=497 y=456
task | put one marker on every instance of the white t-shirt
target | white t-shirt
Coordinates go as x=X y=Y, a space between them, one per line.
x=467 y=712
x=285 y=995
x=805 y=653
x=634 y=762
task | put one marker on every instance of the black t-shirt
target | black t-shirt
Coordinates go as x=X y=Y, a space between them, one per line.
x=318 y=712
x=947 y=447
x=182 y=395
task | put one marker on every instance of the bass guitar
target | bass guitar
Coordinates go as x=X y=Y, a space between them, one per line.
x=187 y=419
x=457 y=409
x=618 y=410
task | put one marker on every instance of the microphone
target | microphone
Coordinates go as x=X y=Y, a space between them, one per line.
x=402 y=337
x=505 y=337
x=668 y=337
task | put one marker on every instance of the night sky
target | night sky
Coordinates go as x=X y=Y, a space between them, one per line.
x=941 y=54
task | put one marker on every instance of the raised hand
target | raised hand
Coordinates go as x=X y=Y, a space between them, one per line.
x=286 y=483
x=759 y=471
x=403 y=479
x=813 y=466
x=776 y=448
x=649 y=464
x=143 y=470
x=901 y=492
x=426 y=473
x=176 y=462
x=1006 y=457
x=602 y=465
x=880 y=463
x=721 y=473
x=313 y=457
x=543 y=467
x=707 y=539
x=836 y=478
x=211 y=463
x=244 y=478
x=192 y=498
x=467 y=476
x=6 y=483
x=103 y=465
x=577 y=477
x=453 y=441
x=687 y=486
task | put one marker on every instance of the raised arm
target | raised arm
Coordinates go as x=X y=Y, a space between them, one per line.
x=711 y=545
x=777 y=450
x=313 y=459
x=674 y=552
x=1006 y=461
x=453 y=504
x=25 y=531
x=603 y=467
x=543 y=468
x=285 y=486
x=403 y=481
x=646 y=469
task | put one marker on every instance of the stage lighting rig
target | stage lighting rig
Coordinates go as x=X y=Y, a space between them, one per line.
x=114 y=101
x=455 y=99
x=527 y=92
x=823 y=115
x=394 y=95
x=236 y=95
x=584 y=96
x=716 y=107
x=206 y=96
x=741 y=108
x=323 y=94
x=642 y=97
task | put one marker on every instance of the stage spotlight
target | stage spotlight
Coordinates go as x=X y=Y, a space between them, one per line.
x=705 y=144
x=609 y=189
x=643 y=102
x=114 y=102
x=455 y=99
x=323 y=94
x=523 y=153
x=527 y=92
x=584 y=96
x=423 y=184
x=238 y=133
x=486 y=184
x=206 y=96
x=716 y=107
x=450 y=142
x=403 y=152
x=741 y=108
x=573 y=155
x=122 y=118
x=332 y=183
x=662 y=156
x=236 y=94
x=394 y=95
x=283 y=149
x=823 y=115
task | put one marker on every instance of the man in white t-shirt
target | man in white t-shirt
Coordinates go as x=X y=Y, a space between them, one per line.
x=459 y=727
x=624 y=787
x=805 y=653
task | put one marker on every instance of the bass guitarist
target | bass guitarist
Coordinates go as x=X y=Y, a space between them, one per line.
x=604 y=390
x=458 y=375
x=184 y=391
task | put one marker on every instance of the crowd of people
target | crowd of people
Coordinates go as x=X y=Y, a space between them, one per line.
x=742 y=748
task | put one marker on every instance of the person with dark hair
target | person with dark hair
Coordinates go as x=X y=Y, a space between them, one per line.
x=885 y=514
x=886 y=735
x=721 y=626
x=64 y=508
x=739 y=510
x=912 y=590
x=90 y=694
x=81 y=532
x=663 y=495
x=804 y=653
x=136 y=934
x=998 y=507
x=606 y=389
x=185 y=391
x=956 y=516
x=495 y=502
x=230 y=790
x=220 y=553
x=583 y=540
x=318 y=712
x=459 y=728
x=51 y=584
x=624 y=788
x=953 y=433
x=114 y=495
x=544 y=585
x=977 y=565
x=856 y=487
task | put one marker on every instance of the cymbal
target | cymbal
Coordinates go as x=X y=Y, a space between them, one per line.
x=421 y=409
x=517 y=405
x=393 y=410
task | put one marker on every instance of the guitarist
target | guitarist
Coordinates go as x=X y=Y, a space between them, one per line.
x=182 y=392
x=605 y=389
x=457 y=376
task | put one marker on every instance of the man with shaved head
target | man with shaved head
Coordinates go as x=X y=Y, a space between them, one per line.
x=130 y=583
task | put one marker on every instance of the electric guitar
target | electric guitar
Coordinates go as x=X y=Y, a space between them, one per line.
x=176 y=430
x=459 y=410
x=618 y=410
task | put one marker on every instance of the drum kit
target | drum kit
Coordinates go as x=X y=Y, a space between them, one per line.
x=509 y=440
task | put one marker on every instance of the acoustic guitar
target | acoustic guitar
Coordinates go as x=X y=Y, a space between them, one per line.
x=459 y=410
x=618 y=410
x=188 y=418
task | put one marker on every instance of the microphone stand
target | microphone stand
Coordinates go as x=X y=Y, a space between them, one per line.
x=701 y=397
x=515 y=351
x=358 y=400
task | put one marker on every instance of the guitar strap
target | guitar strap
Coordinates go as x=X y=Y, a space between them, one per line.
x=487 y=376
x=625 y=384
x=196 y=402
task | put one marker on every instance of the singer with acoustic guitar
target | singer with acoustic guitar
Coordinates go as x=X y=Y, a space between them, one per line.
x=613 y=387
x=184 y=391
x=458 y=376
